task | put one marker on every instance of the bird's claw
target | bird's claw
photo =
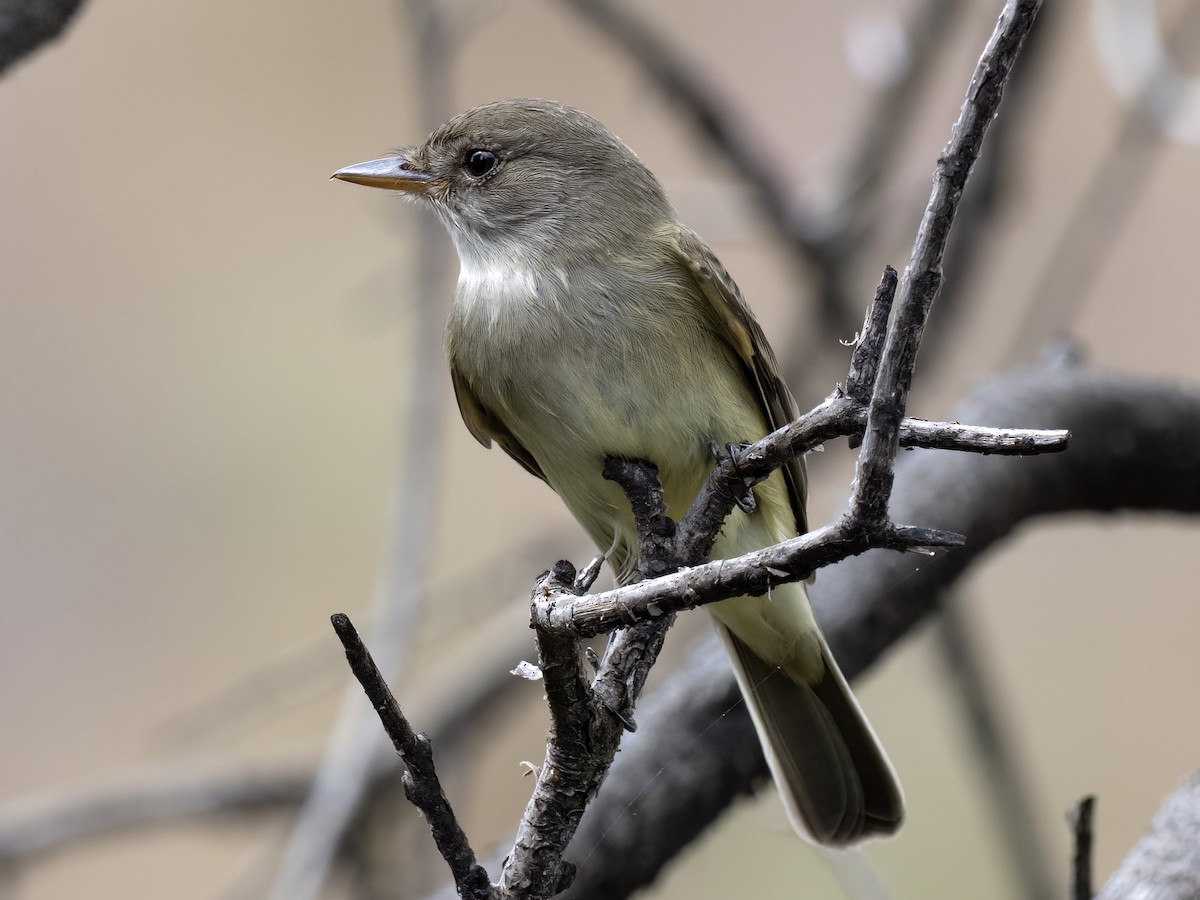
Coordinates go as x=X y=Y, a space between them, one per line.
x=745 y=497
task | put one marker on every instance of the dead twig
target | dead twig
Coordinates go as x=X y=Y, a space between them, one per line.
x=1081 y=863
x=421 y=784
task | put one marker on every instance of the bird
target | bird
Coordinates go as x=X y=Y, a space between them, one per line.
x=589 y=323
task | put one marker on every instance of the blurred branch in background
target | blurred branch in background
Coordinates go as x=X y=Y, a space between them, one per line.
x=54 y=822
x=355 y=750
x=712 y=115
x=994 y=752
x=1106 y=202
x=25 y=25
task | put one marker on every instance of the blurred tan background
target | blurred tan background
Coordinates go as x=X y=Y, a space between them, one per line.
x=202 y=346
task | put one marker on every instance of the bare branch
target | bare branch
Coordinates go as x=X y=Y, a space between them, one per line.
x=841 y=417
x=576 y=760
x=587 y=722
x=1081 y=864
x=421 y=784
x=922 y=278
x=753 y=574
x=868 y=344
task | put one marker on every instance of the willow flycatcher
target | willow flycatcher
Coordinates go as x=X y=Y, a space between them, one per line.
x=588 y=323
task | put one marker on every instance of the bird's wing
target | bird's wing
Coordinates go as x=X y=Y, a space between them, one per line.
x=745 y=337
x=487 y=428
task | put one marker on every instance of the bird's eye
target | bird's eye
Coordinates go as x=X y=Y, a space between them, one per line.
x=479 y=162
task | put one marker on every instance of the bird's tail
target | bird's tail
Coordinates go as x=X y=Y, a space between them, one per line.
x=837 y=784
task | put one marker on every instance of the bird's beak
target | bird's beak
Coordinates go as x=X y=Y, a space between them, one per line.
x=395 y=173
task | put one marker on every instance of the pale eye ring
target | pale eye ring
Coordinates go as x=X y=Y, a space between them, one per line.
x=479 y=162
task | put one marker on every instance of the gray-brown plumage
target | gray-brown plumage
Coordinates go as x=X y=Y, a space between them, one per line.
x=589 y=323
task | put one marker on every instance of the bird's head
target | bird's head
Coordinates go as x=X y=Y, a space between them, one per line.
x=525 y=176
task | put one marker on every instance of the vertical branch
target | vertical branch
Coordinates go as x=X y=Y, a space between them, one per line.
x=1016 y=819
x=577 y=757
x=354 y=752
x=1081 y=862
x=587 y=721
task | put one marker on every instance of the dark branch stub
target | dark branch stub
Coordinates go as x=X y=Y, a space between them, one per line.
x=1081 y=863
x=656 y=530
x=868 y=348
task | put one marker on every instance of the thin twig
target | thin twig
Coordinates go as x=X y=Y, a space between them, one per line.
x=922 y=278
x=633 y=650
x=421 y=784
x=840 y=416
x=868 y=345
x=1081 y=862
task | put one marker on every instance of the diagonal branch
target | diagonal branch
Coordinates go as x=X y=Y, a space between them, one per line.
x=922 y=278
x=421 y=784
